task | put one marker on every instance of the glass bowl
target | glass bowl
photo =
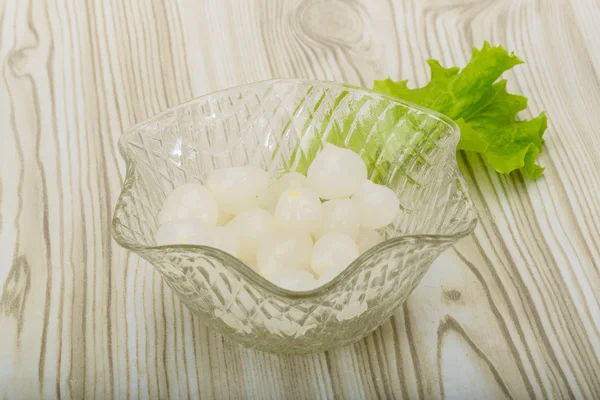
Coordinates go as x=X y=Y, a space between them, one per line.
x=280 y=125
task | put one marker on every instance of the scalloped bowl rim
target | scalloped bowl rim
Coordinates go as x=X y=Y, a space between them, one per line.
x=239 y=265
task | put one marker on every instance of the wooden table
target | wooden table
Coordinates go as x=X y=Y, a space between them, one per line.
x=512 y=311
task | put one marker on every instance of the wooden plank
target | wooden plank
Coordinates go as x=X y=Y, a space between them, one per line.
x=512 y=311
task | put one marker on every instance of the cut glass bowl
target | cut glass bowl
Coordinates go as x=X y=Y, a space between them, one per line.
x=280 y=125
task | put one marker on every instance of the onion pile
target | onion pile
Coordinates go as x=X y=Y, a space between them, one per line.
x=299 y=232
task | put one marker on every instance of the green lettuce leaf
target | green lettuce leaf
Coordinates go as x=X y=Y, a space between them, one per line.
x=485 y=112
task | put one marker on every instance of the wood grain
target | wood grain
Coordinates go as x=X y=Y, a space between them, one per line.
x=511 y=312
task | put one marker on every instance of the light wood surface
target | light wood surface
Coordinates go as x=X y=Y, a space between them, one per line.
x=511 y=312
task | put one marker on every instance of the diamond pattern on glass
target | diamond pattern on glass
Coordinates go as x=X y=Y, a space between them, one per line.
x=280 y=125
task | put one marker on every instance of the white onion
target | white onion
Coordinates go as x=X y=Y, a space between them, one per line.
x=223 y=218
x=341 y=216
x=251 y=226
x=238 y=189
x=226 y=240
x=299 y=210
x=198 y=233
x=192 y=231
x=291 y=180
x=378 y=205
x=189 y=201
x=292 y=279
x=284 y=250
x=333 y=252
x=336 y=172
x=368 y=238
x=328 y=276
